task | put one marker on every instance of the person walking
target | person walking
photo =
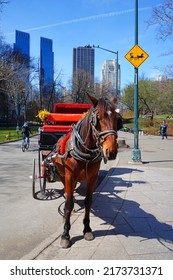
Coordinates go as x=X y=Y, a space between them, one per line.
x=163 y=129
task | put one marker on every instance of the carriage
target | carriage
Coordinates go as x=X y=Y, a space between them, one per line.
x=55 y=125
x=71 y=148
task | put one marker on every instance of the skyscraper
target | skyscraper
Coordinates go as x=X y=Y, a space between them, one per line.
x=22 y=43
x=22 y=50
x=46 y=64
x=83 y=60
x=111 y=73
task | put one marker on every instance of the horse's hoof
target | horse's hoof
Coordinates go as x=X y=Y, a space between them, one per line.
x=89 y=236
x=65 y=243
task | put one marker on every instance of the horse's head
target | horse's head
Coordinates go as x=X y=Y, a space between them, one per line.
x=106 y=122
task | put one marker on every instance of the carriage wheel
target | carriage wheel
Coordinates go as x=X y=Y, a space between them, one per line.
x=33 y=179
x=43 y=183
x=40 y=180
x=42 y=173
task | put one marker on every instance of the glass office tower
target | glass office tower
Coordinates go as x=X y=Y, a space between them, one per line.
x=46 y=64
x=22 y=43
x=22 y=50
x=83 y=59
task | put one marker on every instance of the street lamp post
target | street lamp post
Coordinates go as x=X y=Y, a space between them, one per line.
x=136 y=154
x=117 y=91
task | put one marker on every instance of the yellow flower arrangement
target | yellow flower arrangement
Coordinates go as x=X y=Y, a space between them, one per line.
x=43 y=114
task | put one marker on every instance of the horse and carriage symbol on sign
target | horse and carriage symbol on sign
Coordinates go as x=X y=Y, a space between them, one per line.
x=141 y=56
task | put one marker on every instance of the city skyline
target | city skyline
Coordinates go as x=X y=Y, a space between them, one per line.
x=109 y=24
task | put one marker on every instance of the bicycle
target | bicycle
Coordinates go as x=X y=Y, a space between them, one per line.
x=25 y=144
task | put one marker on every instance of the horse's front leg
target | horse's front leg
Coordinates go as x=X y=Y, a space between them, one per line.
x=88 y=235
x=69 y=204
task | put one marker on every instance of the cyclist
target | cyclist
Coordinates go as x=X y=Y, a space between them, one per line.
x=25 y=133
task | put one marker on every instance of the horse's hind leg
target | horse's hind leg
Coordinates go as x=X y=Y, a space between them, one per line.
x=69 y=204
x=88 y=235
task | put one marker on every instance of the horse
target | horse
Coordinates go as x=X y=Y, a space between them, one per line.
x=92 y=139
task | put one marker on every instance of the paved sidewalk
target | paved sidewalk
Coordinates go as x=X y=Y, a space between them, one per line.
x=132 y=211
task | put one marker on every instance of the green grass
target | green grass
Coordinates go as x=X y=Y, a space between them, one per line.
x=140 y=124
x=11 y=134
x=151 y=127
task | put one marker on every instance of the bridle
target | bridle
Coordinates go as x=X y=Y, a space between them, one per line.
x=100 y=136
x=79 y=150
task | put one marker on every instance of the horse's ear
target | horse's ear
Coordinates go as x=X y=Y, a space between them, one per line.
x=93 y=99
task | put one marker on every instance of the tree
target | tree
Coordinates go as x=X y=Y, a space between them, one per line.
x=155 y=97
x=103 y=89
x=149 y=94
x=128 y=97
x=165 y=96
x=2 y=3
x=15 y=83
x=162 y=17
x=55 y=93
x=81 y=85
x=148 y=98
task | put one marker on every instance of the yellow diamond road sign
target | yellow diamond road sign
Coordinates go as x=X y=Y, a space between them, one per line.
x=136 y=56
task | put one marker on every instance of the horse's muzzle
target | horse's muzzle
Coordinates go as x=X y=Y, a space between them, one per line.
x=111 y=155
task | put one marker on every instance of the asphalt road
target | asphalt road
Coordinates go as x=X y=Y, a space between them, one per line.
x=24 y=221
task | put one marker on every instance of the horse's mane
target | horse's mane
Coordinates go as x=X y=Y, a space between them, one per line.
x=104 y=105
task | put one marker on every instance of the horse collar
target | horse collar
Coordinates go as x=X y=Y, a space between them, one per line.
x=76 y=143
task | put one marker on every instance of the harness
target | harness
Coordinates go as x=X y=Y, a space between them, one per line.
x=77 y=146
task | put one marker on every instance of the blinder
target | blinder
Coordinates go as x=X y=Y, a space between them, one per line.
x=101 y=136
x=93 y=119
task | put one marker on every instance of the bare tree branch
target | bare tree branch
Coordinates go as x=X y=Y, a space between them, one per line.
x=2 y=3
x=162 y=17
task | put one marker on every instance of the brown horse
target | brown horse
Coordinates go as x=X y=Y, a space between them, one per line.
x=93 y=138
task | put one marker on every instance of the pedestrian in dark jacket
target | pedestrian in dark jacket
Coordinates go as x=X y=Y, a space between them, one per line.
x=163 y=129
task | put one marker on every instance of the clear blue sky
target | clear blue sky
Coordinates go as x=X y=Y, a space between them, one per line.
x=107 y=23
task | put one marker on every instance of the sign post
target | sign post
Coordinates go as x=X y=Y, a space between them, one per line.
x=136 y=56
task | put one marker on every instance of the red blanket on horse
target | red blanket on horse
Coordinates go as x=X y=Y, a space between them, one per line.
x=62 y=142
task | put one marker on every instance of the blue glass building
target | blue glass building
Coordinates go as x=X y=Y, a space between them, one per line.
x=22 y=49
x=46 y=64
x=22 y=43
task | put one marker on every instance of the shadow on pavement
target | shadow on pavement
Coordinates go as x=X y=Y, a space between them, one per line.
x=124 y=216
